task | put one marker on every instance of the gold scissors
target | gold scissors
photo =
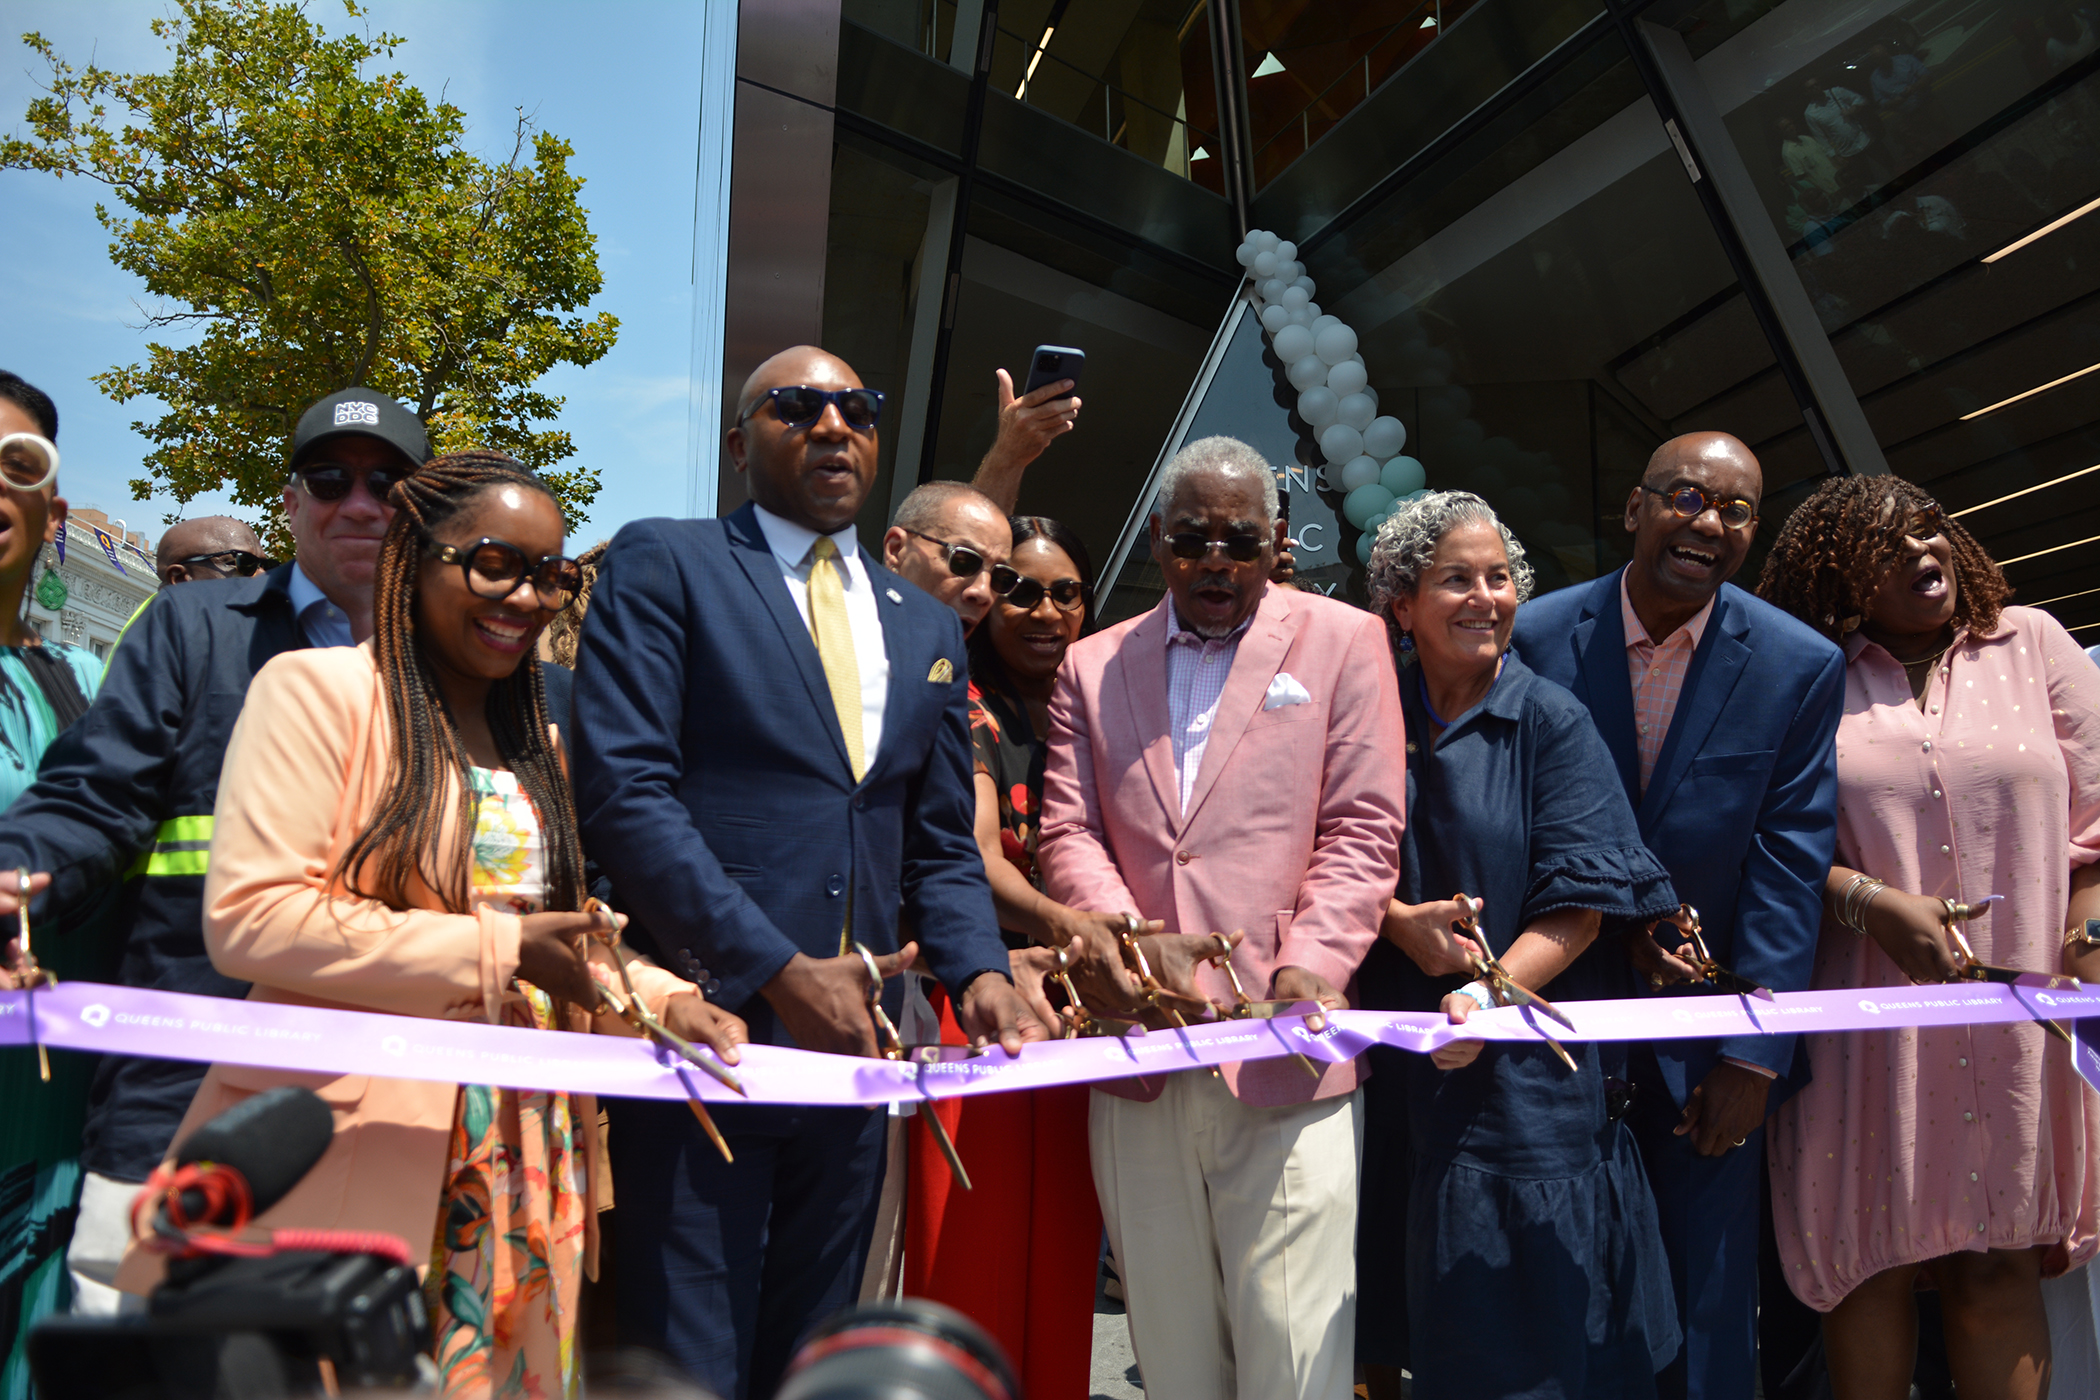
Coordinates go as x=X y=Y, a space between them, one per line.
x=29 y=967
x=892 y=1047
x=1505 y=989
x=1246 y=1008
x=1953 y=914
x=1085 y=1022
x=629 y=1007
x=1710 y=971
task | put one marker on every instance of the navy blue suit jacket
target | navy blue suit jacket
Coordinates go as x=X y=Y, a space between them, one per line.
x=1742 y=806
x=712 y=782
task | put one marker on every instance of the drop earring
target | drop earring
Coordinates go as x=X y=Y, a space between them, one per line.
x=1407 y=641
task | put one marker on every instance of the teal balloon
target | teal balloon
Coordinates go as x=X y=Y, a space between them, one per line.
x=1363 y=549
x=1403 y=476
x=1371 y=525
x=1364 y=502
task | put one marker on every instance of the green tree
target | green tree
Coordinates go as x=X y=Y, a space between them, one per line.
x=314 y=226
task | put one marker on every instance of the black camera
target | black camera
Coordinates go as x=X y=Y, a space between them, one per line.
x=243 y=1316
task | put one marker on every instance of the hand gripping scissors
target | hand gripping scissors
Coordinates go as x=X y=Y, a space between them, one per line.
x=1953 y=914
x=1085 y=1022
x=892 y=1047
x=628 y=1006
x=1506 y=990
x=1710 y=971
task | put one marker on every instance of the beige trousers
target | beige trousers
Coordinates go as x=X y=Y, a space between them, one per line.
x=1234 y=1230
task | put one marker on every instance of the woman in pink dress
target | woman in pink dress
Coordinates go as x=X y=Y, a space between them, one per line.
x=1968 y=765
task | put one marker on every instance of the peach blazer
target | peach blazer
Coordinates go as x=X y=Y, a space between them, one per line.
x=1293 y=827
x=306 y=765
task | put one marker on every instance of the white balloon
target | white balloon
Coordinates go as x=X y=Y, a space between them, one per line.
x=1272 y=290
x=1385 y=437
x=1245 y=253
x=1369 y=391
x=1317 y=407
x=1323 y=322
x=1336 y=344
x=1293 y=343
x=1314 y=308
x=1346 y=378
x=1274 y=319
x=1357 y=411
x=1268 y=241
x=1286 y=249
x=1289 y=271
x=1308 y=284
x=1265 y=264
x=1293 y=297
x=1359 y=471
x=1339 y=442
x=1305 y=373
x=1302 y=317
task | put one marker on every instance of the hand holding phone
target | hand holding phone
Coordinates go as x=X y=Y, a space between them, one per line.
x=1052 y=363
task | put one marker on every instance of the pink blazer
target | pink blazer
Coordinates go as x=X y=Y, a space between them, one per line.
x=307 y=763
x=1293 y=827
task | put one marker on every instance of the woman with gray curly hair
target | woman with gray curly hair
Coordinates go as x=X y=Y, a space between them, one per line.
x=1496 y=1182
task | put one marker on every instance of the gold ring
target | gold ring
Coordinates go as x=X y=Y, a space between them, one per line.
x=1655 y=980
x=1740 y=1141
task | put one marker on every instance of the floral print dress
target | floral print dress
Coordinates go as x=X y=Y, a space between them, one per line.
x=506 y=1267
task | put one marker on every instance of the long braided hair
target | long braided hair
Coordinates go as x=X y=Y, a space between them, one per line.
x=1834 y=549
x=399 y=845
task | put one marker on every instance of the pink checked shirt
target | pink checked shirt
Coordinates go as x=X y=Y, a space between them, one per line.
x=1196 y=672
x=1658 y=676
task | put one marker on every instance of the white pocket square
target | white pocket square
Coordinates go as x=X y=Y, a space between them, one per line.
x=1285 y=690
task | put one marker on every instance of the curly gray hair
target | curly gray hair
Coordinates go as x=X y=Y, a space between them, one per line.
x=1408 y=539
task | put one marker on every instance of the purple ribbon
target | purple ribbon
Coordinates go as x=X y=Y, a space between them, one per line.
x=97 y=1018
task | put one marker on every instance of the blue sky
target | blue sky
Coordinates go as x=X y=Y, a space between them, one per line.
x=619 y=81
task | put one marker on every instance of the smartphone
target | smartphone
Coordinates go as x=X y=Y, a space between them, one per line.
x=1052 y=363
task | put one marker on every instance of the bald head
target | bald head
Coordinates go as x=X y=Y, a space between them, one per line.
x=1718 y=449
x=816 y=474
x=179 y=556
x=939 y=527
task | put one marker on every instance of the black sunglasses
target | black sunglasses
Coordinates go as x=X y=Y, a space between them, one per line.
x=1027 y=593
x=331 y=481
x=799 y=405
x=494 y=568
x=1240 y=549
x=965 y=562
x=1690 y=502
x=231 y=561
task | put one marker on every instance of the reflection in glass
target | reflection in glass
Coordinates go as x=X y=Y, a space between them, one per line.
x=1907 y=161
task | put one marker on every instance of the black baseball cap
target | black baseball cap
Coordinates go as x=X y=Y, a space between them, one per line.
x=366 y=411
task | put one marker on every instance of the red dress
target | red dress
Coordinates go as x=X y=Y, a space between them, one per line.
x=1017 y=1254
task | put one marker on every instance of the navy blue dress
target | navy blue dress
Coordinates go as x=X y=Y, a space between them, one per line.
x=1506 y=1226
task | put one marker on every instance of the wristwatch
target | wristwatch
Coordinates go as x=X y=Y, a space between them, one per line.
x=2086 y=932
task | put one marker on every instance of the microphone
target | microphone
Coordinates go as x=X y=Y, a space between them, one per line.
x=245 y=1160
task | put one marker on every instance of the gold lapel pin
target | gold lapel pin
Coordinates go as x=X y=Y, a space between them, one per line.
x=942 y=672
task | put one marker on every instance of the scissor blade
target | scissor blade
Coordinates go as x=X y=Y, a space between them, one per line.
x=1560 y=1050
x=707 y=1123
x=2020 y=977
x=1736 y=984
x=945 y=1143
x=1520 y=995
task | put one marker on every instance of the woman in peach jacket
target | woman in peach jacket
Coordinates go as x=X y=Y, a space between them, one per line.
x=395 y=833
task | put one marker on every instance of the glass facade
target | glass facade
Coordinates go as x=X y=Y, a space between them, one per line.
x=1488 y=193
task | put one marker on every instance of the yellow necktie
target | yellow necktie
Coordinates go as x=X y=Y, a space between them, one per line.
x=834 y=638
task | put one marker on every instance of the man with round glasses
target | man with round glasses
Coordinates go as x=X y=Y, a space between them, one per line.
x=124 y=799
x=1722 y=714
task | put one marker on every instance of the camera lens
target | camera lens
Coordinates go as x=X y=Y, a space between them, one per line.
x=907 y=1350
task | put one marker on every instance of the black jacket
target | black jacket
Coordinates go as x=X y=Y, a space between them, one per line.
x=127 y=795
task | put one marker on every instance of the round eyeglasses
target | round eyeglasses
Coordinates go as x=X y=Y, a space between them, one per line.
x=1690 y=502
x=28 y=461
x=493 y=569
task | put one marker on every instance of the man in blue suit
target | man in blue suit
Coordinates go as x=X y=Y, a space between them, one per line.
x=1721 y=712
x=773 y=760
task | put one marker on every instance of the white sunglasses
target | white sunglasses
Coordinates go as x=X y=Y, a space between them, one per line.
x=28 y=461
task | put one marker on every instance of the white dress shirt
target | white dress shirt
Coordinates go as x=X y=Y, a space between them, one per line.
x=325 y=624
x=791 y=545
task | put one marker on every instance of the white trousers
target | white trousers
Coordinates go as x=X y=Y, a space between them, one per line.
x=1234 y=1230
x=101 y=1233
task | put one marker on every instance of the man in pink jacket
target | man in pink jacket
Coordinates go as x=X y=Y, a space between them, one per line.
x=1231 y=762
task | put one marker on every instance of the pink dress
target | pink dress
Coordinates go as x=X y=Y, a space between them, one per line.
x=1913 y=1144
